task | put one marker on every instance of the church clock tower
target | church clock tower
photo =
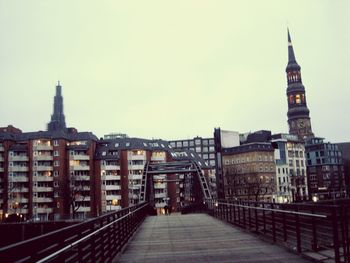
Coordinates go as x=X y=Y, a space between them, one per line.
x=298 y=113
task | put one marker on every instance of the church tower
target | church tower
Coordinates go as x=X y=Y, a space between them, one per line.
x=58 y=121
x=298 y=112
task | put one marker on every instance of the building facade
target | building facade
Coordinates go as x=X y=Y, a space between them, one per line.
x=325 y=170
x=291 y=178
x=62 y=173
x=249 y=172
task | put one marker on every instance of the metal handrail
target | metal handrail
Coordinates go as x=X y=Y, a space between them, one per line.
x=87 y=236
x=275 y=210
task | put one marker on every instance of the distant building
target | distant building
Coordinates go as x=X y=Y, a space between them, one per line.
x=325 y=170
x=223 y=139
x=291 y=178
x=115 y=135
x=62 y=173
x=249 y=172
x=344 y=148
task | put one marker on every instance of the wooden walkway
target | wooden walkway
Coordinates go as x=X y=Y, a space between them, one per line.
x=199 y=238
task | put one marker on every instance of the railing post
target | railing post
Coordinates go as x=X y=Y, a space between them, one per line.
x=234 y=212
x=335 y=234
x=256 y=219
x=314 y=231
x=273 y=223
x=264 y=218
x=244 y=221
x=345 y=232
x=249 y=218
x=297 y=230
x=284 y=227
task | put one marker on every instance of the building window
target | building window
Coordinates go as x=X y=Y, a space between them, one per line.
x=297 y=99
x=56 y=163
x=55 y=153
x=56 y=183
x=55 y=143
x=55 y=173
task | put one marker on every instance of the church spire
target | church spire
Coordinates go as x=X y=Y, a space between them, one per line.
x=298 y=113
x=292 y=63
x=57 y=118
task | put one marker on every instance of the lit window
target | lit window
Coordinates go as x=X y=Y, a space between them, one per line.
x=116 y=144
x=297 y=99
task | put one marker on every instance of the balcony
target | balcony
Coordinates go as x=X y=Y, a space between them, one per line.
x=110 y=167
x=112 y=177
x=42 y=147
x=113 y=207
x=158 y=205
x=86 y=188
x=159 y=186
x=41 y=210
x=2 y=159
x=43 y=178
x=160 y=195
x=83 y=198
x=84 y=209
x=20 y=189
x=23 y=178
x=112 y=187
x=2 y=149
x=42 y=200
x=82 y=178
x=158 y=158
x=79 y=157
x=43 y=158
x=18 y=158
x=135 y=176
x=1 y=169
x=138 y=157
x=42 y=189
x=24 y=200
x=22 y=210
x=136 y=167
x=80 y=168
x=43 y=168
x=18 y=169
x=113 y=197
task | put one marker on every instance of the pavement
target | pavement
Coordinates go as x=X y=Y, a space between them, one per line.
x=199 y=238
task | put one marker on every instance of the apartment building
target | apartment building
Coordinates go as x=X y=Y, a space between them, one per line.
x=291 y=178
x=325 y=170
x=249 y=172
x=121 y=163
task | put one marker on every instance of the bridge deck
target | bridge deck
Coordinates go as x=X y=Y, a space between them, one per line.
x=199 y=238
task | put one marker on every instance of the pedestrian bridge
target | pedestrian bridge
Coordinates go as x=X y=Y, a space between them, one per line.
x=198 y=238
x=223 y=232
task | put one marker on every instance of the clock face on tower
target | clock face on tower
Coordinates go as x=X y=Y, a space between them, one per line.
x=301 y=123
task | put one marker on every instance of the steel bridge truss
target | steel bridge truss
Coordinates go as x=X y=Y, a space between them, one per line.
x=191 y=171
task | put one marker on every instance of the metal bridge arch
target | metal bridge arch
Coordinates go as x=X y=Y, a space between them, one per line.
x=199 y=185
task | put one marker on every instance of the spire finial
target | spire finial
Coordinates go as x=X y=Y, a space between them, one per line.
x=291 y=56
x=58 y=83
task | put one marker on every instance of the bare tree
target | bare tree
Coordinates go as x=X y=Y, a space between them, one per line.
x=258 y=186
x=77 y=196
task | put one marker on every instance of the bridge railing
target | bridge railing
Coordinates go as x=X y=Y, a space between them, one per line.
x=301 y=227
x=95 y=240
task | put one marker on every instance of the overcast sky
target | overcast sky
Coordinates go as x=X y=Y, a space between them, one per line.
x=173 y=69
